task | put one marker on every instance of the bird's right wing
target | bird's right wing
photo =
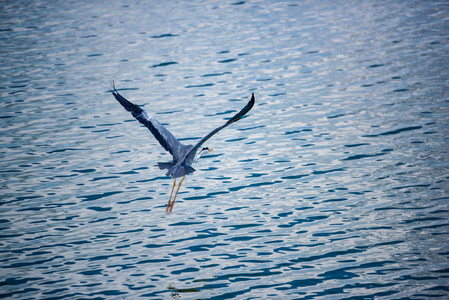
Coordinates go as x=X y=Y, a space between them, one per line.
x=235 y=118
x=165 y=138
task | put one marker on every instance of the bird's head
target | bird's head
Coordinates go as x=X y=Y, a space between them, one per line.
x=202 y=151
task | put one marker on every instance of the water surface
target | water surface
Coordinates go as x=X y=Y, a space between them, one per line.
x=335 y=186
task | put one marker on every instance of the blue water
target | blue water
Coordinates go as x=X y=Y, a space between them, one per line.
x=335 y=186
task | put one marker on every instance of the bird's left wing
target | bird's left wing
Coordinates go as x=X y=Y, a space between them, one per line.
x=235 y=118
x=165 y=138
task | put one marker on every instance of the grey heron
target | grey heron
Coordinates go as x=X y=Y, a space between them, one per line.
x=183 y=155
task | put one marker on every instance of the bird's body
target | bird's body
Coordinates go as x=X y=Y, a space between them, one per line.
x=183 y=155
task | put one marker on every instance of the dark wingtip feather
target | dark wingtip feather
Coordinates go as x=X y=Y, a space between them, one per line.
x=129 y=106
x=113 y=90
x=244 y=111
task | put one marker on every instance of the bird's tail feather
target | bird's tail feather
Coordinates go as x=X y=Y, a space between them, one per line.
x=165 y=165
x=175 y=171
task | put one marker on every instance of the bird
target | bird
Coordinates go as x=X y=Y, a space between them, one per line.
x=183 y=155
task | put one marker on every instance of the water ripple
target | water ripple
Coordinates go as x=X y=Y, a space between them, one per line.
x=334 y=186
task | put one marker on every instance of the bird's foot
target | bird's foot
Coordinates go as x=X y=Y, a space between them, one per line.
x=169 y=207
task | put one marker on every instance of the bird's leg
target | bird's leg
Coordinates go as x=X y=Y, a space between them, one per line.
x=173 y=202
x=169 y=201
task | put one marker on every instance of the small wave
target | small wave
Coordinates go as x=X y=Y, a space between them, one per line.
x=237 y=188
x=164 y=64
x=227 y=60
x=98 y=196
x=396 y=131
x=200 y=85
x=163 y=36
x=328 y=171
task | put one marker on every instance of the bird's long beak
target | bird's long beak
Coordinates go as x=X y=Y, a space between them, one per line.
x=210 y=149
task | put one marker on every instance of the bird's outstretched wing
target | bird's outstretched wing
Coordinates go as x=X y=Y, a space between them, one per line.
x=165 y=138
x=235 y=118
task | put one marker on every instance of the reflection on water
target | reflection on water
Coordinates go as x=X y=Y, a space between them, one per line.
x=335 y=187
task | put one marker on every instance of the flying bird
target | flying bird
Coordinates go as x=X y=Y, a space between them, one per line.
x=183 y=155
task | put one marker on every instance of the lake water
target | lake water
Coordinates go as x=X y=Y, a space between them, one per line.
x=335 y=185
